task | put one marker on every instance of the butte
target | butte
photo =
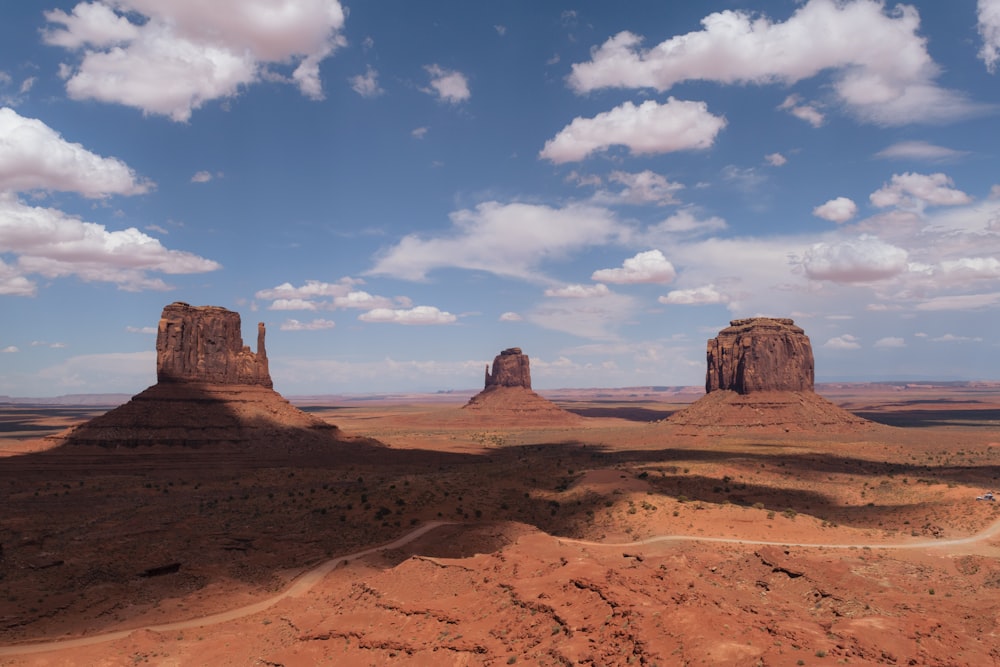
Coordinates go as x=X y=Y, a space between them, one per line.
x=210 y=390
x=507 y=393
x=760 y=378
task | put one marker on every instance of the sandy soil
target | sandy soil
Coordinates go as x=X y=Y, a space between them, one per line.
x=801 y=547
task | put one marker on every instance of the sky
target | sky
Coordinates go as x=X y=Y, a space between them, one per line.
x=400 y=190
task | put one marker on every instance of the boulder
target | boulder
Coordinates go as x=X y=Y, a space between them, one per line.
x=204 y=344
x=510 y=369
x=760 y=354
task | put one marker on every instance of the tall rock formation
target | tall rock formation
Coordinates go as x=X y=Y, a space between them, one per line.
x=211 y=390
x=511 y=368
x=205 y=344
x=507 y=394
x=760 y=377
x=760 y=354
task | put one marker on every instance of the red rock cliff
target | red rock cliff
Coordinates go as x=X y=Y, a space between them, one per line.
x=205 y=344
x=760 y=354
x=510 y=369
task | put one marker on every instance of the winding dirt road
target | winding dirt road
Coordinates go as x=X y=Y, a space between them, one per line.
x=309 y=579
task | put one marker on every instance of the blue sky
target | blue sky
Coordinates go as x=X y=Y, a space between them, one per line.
x=400 y=190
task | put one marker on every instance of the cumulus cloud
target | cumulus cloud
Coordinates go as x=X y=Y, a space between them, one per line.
x=684 y=222
x=511 y=316
x=317 y=295
x=697 y=296
x=646 y=267
x=415 y=315
x=916 y=190
x=314 y=325
x=890 y=342
x=808 y=112
x=448 y=85
x=503 y=239
x=142 y=330
x=989 y=30
x=844 y=342
x=10 y=349
x=206 y=50
x=645 y=187
x=864 y=259
x=647 y=129
x=292 y=304
x=919 y=150
x=366 y=85
x=840 y=209
x=33 y=156
x=578 y=291
x=776 y=159
x=49 y=243
x=881 y=69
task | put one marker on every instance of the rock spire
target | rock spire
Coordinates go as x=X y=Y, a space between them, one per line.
x=511 y=368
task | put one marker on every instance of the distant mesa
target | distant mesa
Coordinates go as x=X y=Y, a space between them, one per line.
x=205 y=344
x=760 y=354
x=511 y=368
x=761 y=376
x=210 y=390
x=507 y=392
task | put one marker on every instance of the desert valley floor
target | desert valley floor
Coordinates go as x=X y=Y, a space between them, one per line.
x=439 y=537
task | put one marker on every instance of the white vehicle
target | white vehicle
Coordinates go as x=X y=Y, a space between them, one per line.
x=987 y=496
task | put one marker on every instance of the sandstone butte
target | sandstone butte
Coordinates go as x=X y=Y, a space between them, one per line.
x=507 y=392
x=210 y=389
x=760 y=376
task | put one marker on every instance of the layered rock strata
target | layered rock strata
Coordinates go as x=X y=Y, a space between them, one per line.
x=210 y=390
x=760 y=354
x=511 y=368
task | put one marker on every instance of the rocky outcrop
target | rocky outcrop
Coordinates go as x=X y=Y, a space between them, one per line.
x=507 y=393
x=511 y=368
x=760 y=354
x=211 y=390
x=205 y=344
x=760 y=378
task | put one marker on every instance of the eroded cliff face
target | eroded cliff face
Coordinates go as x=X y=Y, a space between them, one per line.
x=511 y=368
x=760 y=354
x=204 y=344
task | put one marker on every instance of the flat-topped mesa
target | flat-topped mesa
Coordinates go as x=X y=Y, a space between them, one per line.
x=205 y=344
x=760 y=354
x=510 y=369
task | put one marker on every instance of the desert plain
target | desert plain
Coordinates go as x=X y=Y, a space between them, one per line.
x=433 y=536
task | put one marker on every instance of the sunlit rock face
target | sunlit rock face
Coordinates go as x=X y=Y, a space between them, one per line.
x=511 y=368
x=760 y=354
x=204 y=344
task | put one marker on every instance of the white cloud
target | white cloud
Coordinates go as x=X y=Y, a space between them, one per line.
x=415 y=315
x=366 y=85
x=142 y=330
x=419 y=133
x=596 y=319
x=807 y=112
x=646 y=267
x=503 y=239
x=206 y=50
x=776 y=159
x=916 y=190
x=971 y=268
x=864 y=259
x=645 y=187
x=49 y=243
x=960 y=302
x=952 y=338
x=311 y=289
x=844 y=342
x=881 y=69
x=33 y=156
x=510 y=316
x=697 y=296
x=449 y=86
x=989 y=30
x=919 y=150
x=840 y=209
x=292 y=304
x=890 y=342
x=10 y=349
x=686 y=223
x=202 y=177
x=315 y=325
x=578 y=291
x=647 y=129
